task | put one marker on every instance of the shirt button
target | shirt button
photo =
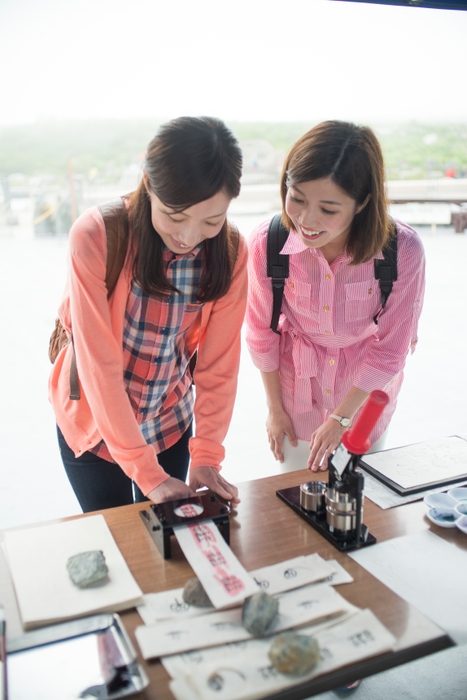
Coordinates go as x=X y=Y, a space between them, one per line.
x=164 y=331
x=328 y=332
x=370 y=291
x=331 y=362
x=326 y=308
x=158 y=359
x=328 y=276
x=143 y=410
x=328 y=391
x=291 y=284
x=151 y=383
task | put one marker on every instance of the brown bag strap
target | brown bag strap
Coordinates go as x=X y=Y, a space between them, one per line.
x=75 y=393
x=234 y=242
x=115 y=217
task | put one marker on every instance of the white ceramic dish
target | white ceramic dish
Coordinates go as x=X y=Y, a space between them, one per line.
x=461 y=509
x=443 y=517
x=461 y=523
x=460 y=494
x=440 y=500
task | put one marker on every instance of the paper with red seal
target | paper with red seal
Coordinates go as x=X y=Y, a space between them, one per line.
x=224 y=579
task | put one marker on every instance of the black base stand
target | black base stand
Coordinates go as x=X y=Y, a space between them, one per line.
x=161 y=518
x=342 y=543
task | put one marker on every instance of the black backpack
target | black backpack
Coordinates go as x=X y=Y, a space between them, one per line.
x=278 y=268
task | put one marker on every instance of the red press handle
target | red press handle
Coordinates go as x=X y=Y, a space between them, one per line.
x=356 y=439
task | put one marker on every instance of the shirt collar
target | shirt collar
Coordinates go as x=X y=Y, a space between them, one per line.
x=294 y=244
x=169 y=255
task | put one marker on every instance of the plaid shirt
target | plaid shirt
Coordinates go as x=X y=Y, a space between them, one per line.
x=155 y=357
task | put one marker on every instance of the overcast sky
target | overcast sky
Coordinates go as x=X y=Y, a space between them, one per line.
x=238 y=59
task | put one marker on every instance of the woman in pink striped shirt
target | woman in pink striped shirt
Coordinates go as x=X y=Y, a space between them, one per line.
x=330 y=353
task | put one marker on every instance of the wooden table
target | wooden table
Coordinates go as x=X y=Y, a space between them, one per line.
x=266 y=531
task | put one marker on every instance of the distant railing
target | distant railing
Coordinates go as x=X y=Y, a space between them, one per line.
x=447 y=190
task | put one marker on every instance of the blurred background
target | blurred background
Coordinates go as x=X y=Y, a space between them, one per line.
x=84 y=87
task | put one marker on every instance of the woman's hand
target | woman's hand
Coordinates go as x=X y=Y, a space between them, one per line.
x=170 y=490
x=279 y=424
x=323 y=443
x=210 y=477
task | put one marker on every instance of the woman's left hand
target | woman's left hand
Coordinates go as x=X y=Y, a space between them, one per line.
x=323 y=443
x=210 y=477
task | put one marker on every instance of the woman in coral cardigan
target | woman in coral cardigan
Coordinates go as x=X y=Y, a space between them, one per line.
x=181 y=291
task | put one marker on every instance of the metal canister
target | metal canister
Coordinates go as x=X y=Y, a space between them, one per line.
x=312 y=495
x=341 y=513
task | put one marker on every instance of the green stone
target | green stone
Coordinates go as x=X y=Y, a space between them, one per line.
x=259 y=610
x=87 y=568
x=194 y=594
x=294 y=654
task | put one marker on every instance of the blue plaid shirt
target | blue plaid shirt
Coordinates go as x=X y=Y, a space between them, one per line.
x=155 y=357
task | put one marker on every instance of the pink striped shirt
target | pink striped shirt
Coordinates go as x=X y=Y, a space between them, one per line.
x=329 y=341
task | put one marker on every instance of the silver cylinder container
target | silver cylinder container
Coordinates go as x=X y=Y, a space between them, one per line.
x=341 y=512
x=312 y=496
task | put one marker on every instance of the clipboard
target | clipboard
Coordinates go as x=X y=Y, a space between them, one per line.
x=420 y=466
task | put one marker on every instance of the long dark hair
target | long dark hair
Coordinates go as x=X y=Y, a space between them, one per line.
x=351 y=156
x=188 y=161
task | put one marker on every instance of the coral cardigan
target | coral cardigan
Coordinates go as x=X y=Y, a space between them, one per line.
x=104 y=411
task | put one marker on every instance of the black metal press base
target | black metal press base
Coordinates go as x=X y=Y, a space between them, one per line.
x=291 y=496
x=162 y=518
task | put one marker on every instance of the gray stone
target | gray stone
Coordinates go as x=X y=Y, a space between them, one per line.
x=259 y=610
x=294 y=654
x=194 y=594
x=87 y=568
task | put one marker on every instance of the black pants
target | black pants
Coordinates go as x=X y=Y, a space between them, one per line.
x=99 y=484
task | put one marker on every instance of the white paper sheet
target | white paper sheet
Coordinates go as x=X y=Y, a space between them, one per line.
x=223 y=577
x=423 y=462
x=277 y=578
x=426 y=571
x=247 y=675
x=300 y=607
x=37 y=558
x=385 y=498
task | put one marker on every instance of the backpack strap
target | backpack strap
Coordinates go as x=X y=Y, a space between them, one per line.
x=386 y=270
x=277 y=266
x=115 y=216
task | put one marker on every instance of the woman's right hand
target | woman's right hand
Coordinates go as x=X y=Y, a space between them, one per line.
x=170 y=490
x=279 y=424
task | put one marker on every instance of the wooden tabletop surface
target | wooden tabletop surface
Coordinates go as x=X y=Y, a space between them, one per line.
x=265 y=531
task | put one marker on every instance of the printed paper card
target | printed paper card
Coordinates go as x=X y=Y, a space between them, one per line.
x=340 y=574
x=300 y=607
x=245 y=674
x=223 y=577
x=277 y=578
x=293 y=573
x=180 y=664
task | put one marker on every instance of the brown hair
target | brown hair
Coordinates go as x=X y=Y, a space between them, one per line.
x=188 y=161
x=351 y=156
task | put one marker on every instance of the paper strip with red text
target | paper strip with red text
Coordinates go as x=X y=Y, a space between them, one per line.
x=224 y=579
